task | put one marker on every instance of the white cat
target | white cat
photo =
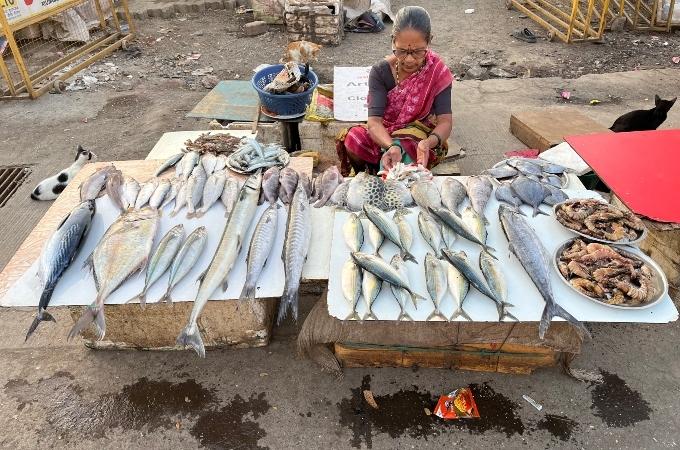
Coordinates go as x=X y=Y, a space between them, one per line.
x=51 y=187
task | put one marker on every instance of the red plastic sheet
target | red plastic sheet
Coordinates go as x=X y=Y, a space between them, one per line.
x=642 y=168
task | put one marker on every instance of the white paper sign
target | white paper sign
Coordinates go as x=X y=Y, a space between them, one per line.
x=350 y=93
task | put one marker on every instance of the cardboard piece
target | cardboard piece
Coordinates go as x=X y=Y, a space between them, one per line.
x=350 y=93
x=545 y=128
x=639 y=167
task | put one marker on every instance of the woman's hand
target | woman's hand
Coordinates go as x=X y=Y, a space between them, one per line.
x=423 y=151
x=391 y=157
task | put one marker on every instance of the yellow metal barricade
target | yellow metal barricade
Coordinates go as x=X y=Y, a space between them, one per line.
x=651 y=15
x=43 y=42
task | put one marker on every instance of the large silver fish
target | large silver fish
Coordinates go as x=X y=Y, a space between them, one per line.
x=530 y=192
x=195 y=185
x=479 y=189
x=123 y=251
x=527 y=247
x=90 y=188
x=505 y=194
x=475 y=223
x=330 y=180
x=459 y=286
x=400 y=294
x=453 y=194
x=431 y=232
x=130 y=191
x=213 y=189
x=217 y=273
x=260 y=247
x=186 y=259
x=456 y=223
x=496 y=280
x=188 y=163
x=405 y=231
x=270 y=185
x=426 y=195
x=170 y=162
x=58 y=253
x=288 y=180
x=298 y=234
x=435 y=280
x=353 y=232
x=371 y=286
x=161 y=260
x=385 y=272
x=351 y=287
x=388 y=228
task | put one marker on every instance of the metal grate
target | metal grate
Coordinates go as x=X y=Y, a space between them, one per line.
x=11 y=177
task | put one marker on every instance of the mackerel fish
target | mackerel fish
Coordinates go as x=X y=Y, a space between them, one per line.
x=402 y=295
x=496 y=280
x=371 y=286
x=385 y=272
x=475 y=223
x=435 y=280
x=453 y=194
x=454 y=222
x=353 y=231
x=459 y=286
x=431 y=232
x=479 y=189
x=351 y=287
x=388 y=228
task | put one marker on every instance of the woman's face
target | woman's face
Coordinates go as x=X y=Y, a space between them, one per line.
x=410 y=46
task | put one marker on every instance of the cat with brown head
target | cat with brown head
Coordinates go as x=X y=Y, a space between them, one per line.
x=301 y=52
x=644 y=119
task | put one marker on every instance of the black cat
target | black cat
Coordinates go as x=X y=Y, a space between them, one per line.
x=644 y=119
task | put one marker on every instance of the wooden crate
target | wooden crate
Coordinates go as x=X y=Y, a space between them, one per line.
x=316 y=21
x=503 y=358
x=545 y=128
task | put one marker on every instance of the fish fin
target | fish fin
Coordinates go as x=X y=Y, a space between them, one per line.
x=407 y=256
x=200 y=278
x=40 y=317
x=248 y=292
x=225 y=283
x=415 y=297
x=353 y=316
x=191 y=337
x=460 y=312
x=488 y=250
x=554 y=310
x=165 y=298
x=369 y=316
x=88 y=263
x=404 y=316
x=537 y=211
x=198 y=214
x=485 y=220
x=85 y=320
x=436 y=313
x=288 y=300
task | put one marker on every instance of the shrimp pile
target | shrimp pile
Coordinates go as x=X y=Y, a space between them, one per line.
x=603 y=273
x=600 y=220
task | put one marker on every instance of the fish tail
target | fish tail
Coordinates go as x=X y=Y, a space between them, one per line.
x=404 y=316
x=489 y=250
x=415 y=297
x=370 y=316
x=407 y=256
x=87 y=318
x=486 y=221
x=537 y=211
x=198 y=214
x=436 y=313
x=191 y=337
x=174 y=212
x=460 y=312
x=353 y=316
x=289 y=299
x=248 y=292
x=551 y=310
x=40 y=317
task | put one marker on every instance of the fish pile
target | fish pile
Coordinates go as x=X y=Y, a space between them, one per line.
x=363 y=188
x=531 y=182
x=606 y=274
x=251 y=156
x=600 y=220
x=407 y=173
x=217 y=143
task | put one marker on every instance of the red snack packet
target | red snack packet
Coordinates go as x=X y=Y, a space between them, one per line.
x=528 y=153
x=459 y=404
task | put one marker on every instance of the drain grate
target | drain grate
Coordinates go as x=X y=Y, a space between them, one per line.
x=11 y=177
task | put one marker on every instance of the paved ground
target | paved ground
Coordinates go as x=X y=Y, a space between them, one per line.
x=54 y=393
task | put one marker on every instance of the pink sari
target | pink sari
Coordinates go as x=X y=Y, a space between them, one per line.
x=406 y=116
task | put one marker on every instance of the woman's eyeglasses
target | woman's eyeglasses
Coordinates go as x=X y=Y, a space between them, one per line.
x=417 y=53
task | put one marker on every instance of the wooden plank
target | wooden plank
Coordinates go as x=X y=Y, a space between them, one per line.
x=514 y=358
x=545 y=128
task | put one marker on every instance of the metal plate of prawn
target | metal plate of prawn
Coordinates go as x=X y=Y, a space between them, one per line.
x=563 y=176
x=659 y=281
x=637 y=241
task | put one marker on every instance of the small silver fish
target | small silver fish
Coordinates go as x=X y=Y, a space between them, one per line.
x=388 y=228
x=195 y=185
x=90 y=188
x=405 y=231
x=384 y=271
x=370 y=288
x=453 y=194
x=171 y=161
x=459 y=286
x=114 y=188
x=189 y=162
x=229 y=195
x=209 y=161
x=353 y=232
x=479 y=189
x=130 y=192
x=146 y=190
x=435 y=280
x=175 y=185
x=351 y=287
x=402 y=296
x=185 y=260
x=260 y=247
x=496 y=280
x=181 y=199
x=375 y=237
x=160 y=193
x=431 y=232
x=212 y=191
x=475 y=223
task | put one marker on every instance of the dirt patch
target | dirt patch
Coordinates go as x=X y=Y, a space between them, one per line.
x=127 y=106
x=560 y=427
x=617 y=404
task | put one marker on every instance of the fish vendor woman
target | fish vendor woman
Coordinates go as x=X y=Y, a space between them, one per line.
x=409 y=103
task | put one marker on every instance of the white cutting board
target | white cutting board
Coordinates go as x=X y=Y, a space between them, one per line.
x=522 y=293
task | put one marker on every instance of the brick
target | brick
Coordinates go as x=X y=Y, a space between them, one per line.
x=256 y=28
x=168 y=11
x=155 y=12
x=309 y=130
x=230 y=5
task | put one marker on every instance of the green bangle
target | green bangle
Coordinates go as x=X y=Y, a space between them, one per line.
x=395 y=143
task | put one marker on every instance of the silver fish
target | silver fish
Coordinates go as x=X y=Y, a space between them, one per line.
x=384 y=271
x=217 y=273
x=229 y=195
x=330 y=181
x=555 y=196
x=213 y=189
x=185 y=260
x=90 y=188
x=461 y=262
x=496 y=281
x=220 y=162
x=456 y=223
x=353 y=232
x=375 y=237
x=161 y=260
x=435 y=280
x=298 y=233
x=339 y=197
x=530 y=192
x=505 y=194
x=405 y=232
x=500 y=172
x=527 y=247
x=209 y=161
x=160 y=193
x=474 y=223
x=270 y=185
x=371 y=286
x=130 y=192
x=114 y=188
x=189 y=162
x=171 y=195
x=426 y=195
x=552 y=180
x=453 y=194
x=316 y=188
x=123 y=251
x=58 y=253
x=524 y=166
x=181 y=199
x=431 y=232
x=146 y=190
x=351 y=287
x=170 y=162
x=388 y=228
x=288 y=178
x=260 y=247
x=400 y=294
x=458 y=287
x=195 y=185
x=548 y=167
x=479 y=189
x=448 y=236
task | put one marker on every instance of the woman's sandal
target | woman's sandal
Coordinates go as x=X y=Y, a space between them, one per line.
x=524 y=35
